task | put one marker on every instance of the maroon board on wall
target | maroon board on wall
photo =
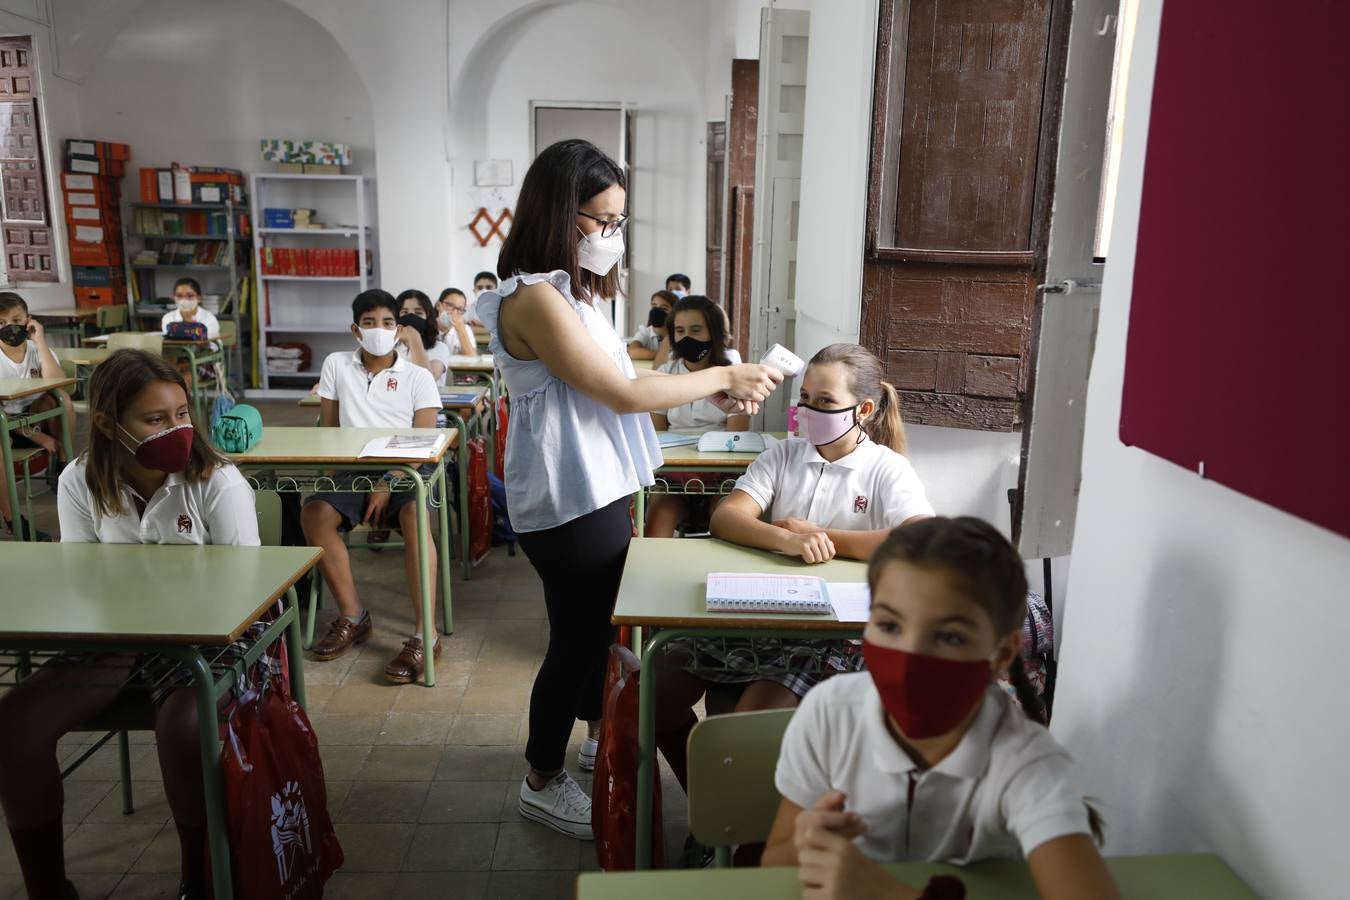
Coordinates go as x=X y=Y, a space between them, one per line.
x=1239 y=337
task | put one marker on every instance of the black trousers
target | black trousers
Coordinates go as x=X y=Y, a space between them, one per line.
x=580 y=564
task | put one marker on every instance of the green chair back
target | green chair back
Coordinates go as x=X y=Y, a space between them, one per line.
x=152 y=342
x=732 y=798
x=111 y=318
x=228 y=332
x=269 y=517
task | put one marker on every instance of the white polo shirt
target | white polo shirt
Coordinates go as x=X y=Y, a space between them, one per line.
x=450 y=341
x=439 y=352
x=387 y=400
x=646 y=336
x=204 y=315
x=1007 y=788
x=28 y=367
x=219 y=510
x=872 y=488
x=691 y=418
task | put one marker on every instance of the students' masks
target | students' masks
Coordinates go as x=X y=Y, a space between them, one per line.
x=186 y=307
x=164 y=451
x=927 y=696
x=691 y=349
x=825 y=426
x=657 y=317
x=415 y=322
x=599 y=254
x=445 y=319
x=14 y=335
x=378 y=341
x=680 y=292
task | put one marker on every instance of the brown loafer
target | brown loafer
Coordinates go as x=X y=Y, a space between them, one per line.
x=342 y=634
x=408 y=665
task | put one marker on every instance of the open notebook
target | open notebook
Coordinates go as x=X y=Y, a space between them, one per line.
x=747 y=592
x=735 y=442
x=404 y=446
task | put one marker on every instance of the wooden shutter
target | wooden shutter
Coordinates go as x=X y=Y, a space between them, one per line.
x=963 y=131
x=742 y=127
x=24 y=212
x=716 y=208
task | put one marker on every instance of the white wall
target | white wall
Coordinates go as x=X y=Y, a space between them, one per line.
x=60 y=117
x=201 y=83
x=598 y=52
x=1201 y=682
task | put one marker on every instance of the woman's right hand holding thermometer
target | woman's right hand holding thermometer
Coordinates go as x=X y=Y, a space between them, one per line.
x=752 y=381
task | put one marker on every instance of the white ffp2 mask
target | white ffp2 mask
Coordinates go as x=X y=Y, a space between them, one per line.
x=599 y=254
x=378 y=341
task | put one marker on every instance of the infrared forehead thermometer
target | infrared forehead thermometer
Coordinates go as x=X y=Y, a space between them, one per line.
x=784 y=360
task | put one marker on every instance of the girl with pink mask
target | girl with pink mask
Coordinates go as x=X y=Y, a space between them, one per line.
x=924 y=757
x=835 y=490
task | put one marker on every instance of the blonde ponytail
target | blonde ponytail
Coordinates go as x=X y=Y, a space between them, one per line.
x=885 y=425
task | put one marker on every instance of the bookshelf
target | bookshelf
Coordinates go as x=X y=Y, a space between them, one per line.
x=206 y=241
x=307 y=277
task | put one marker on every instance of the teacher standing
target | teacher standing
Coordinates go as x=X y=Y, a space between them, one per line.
x=582 y=442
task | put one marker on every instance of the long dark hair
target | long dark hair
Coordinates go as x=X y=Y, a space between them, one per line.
x=428 y=323
x=865 y=382
x=544 y=233
x=988 y=570
x=712 y=317
x=112 y=388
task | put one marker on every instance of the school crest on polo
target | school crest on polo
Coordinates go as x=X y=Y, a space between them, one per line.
x=860 y=504
x=391 y=384
x=185 y=524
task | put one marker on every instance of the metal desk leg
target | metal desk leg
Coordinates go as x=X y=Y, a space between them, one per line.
x=11 y=485
x=640 y=511
x=462 y=466
x=424 y=578
x=647 y=747
x=218 y=838
x=67 y=444
x=443 y=548
x=294 y=651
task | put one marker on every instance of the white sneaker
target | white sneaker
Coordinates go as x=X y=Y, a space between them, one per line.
x=562 y=805
x=586 y=755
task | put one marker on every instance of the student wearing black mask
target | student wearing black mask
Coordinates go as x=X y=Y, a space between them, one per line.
x=649 y=336
x=698 y=337
x=417 y=335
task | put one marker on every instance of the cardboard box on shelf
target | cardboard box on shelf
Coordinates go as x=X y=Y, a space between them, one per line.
x=96 y=276
x=312 y=152
x=156 y=185
x=290 y=168
x=104 y=150
x=92 y=297
x=92 y=165
x=322 y=169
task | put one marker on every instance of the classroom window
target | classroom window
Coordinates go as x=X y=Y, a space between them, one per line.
x=1115 y=125
x=25 y=219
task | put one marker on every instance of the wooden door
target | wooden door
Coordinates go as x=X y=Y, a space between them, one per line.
x=24 y=218
x=742 y=124
x=716 y=208
x=964 y=124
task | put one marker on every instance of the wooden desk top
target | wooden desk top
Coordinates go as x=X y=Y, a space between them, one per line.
x=479 y=363
x=688 y=456
x=1167 y=877
x=665 y=585
x=15 y=388
x=82 y=356
x=643 y=364
x=142 y=593
x=307 y=445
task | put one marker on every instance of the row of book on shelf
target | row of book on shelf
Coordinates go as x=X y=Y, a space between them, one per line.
x=313 y=262
x=184 y=253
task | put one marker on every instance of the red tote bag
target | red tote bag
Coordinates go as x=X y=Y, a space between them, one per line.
x=282 y=841
x=614 y=791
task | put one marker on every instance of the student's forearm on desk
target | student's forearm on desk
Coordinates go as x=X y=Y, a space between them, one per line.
x=749 y=531
x=468 y=344
x=637 y=351
x=856 y=544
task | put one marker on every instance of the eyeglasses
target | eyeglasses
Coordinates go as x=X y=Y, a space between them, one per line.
x=608 y=227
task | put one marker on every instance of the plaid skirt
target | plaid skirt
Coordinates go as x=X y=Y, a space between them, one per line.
x=797 y=665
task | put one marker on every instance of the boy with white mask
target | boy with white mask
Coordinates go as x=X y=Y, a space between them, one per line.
x=187 y=299
x=371 y=388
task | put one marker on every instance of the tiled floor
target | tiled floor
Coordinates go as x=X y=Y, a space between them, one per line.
x=422 y=782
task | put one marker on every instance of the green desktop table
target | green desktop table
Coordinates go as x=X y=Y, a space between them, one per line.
x=294 y=460
x=1167 y=877
x=182 y=602
x=664 y=587
x=17 y=389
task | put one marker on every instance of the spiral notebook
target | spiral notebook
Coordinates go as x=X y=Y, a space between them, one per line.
x=747 y=592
